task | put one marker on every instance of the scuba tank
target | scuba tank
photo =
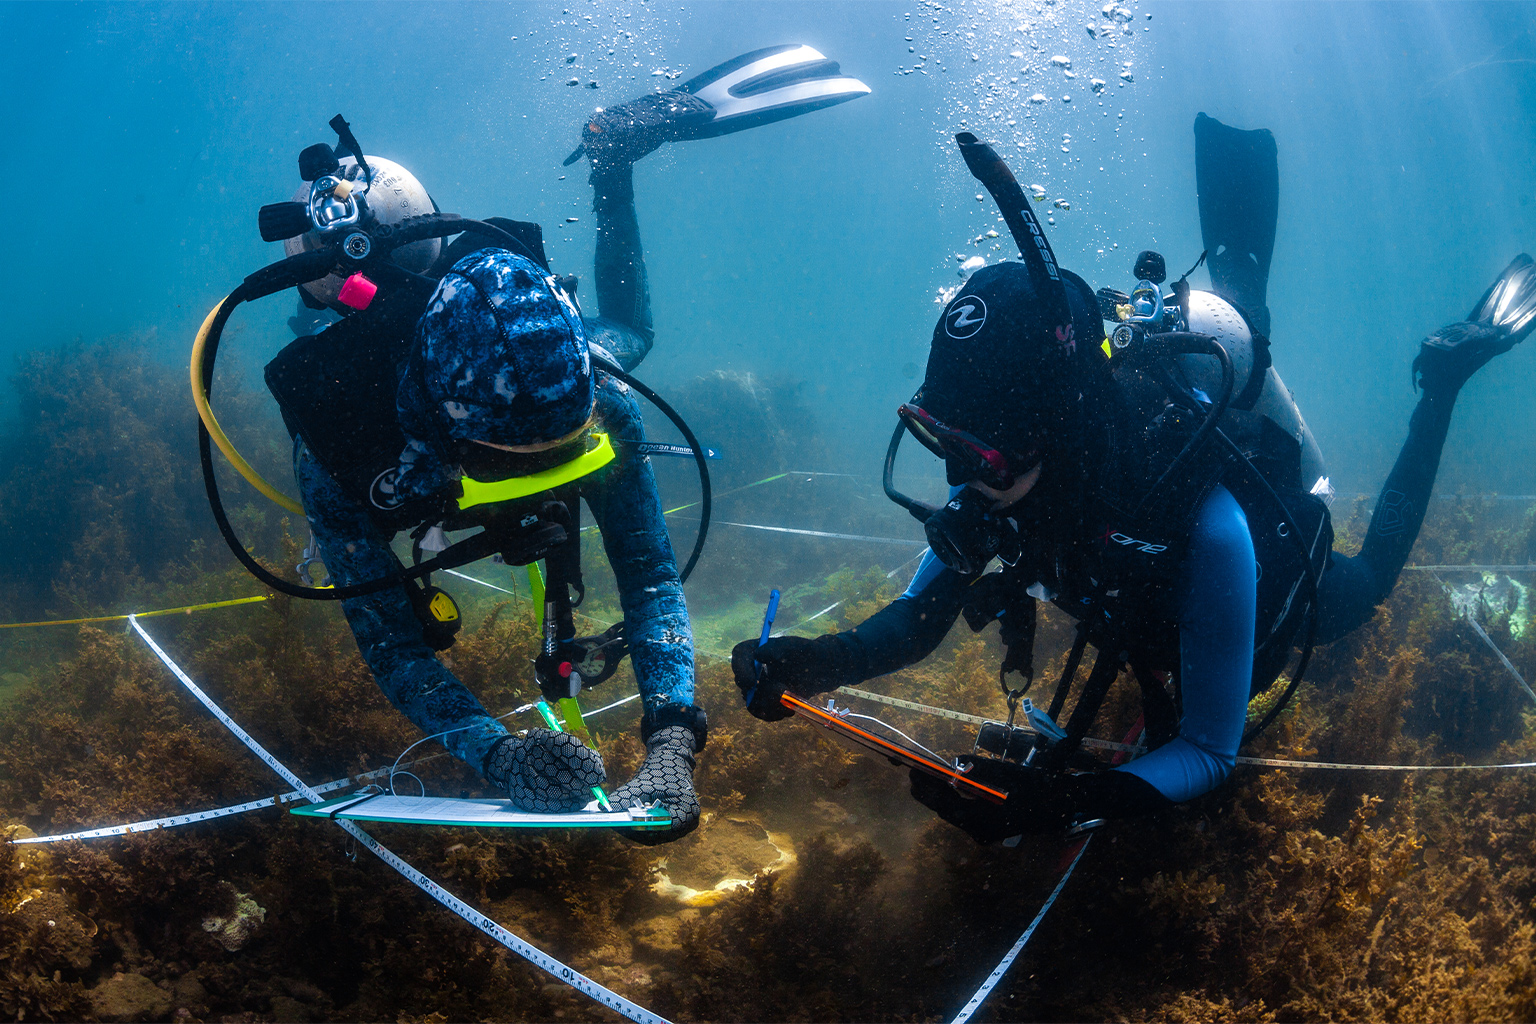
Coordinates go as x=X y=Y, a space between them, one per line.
x=344 y=253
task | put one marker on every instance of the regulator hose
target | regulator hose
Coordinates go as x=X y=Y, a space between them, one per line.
x=309 y=266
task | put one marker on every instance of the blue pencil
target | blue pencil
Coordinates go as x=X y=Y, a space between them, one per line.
x=773 y=609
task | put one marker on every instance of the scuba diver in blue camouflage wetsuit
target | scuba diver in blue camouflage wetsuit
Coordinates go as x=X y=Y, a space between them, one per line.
x=499 y=381
x=493 y=409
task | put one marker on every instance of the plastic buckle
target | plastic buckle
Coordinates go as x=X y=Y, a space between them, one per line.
x=357 y=292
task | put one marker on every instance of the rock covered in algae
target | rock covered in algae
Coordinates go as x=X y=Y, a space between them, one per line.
x=131 y=997
x=236 y=929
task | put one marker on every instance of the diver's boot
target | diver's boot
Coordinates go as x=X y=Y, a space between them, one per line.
x=1448 y=358
x=1501 y=319
x=1353 y=587
x=545 y=772
x=672 y=738
x=618 y=136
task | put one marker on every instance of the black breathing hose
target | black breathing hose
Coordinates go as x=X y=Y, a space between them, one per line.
x=706 y=503
x=310 y=266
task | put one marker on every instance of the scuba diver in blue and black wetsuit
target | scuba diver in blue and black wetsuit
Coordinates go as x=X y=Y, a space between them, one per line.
x=1142 y=484
x=463 y=388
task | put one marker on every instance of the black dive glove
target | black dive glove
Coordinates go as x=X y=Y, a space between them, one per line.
x=545 y=771
x=618 y=136
x=801 y=665
x=1039 y=801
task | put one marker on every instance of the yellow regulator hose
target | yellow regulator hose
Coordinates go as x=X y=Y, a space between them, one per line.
x=205 y=413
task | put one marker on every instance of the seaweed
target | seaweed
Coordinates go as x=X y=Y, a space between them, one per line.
x=1285 y=895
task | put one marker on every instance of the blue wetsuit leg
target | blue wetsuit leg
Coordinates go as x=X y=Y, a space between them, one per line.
x=1217 y=594
x=386 y=628
x=622 y=328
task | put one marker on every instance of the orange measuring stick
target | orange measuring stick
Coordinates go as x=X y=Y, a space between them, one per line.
x=885 y=748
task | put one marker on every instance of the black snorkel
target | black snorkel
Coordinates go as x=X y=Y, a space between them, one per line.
x=1034 y=249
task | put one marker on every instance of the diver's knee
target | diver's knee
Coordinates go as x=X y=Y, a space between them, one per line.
x=1347 y=597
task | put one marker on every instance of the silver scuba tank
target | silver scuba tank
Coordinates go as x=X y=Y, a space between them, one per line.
x=1213 y=315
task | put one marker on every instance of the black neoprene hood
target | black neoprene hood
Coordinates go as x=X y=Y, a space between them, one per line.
x=997 y=368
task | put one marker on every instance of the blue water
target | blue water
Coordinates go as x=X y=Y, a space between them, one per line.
x=140 y=139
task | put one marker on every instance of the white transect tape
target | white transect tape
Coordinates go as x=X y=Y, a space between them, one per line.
x=1472 y=621
x=1266 y=762
x=1018 y=947
x=1450 y=497
x=1469 y=568
x=1275 y=762
x=834 y=604
x=462 y=576
x=529 y=952
x=960 y=716
x=190 y=818
x=904 y=541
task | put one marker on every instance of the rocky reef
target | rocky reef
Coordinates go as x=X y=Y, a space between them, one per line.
x=816 y=889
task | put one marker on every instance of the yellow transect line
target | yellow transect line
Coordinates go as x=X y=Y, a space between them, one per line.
x=186 y=608
x=733 y=490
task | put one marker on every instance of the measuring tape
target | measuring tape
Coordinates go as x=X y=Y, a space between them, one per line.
x=534 y=955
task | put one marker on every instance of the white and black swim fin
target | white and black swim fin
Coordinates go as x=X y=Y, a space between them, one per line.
x=1501 y=319
x=1511 y=301
x=757 y=88
x=769 y=85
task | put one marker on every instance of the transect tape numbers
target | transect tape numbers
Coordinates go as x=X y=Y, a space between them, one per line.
x=534 y=955
x=1018 y=947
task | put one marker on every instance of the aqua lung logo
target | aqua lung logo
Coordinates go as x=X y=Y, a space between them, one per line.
x=383 y=493
x=965 y=318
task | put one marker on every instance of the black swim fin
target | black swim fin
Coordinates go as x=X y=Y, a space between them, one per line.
x=1237 y=174
x=757 y=88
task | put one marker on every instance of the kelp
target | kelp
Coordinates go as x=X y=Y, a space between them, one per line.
x=1284 y=895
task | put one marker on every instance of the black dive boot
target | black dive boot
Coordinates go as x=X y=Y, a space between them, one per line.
x=618 y=136
x=672 y=736
x=544 y=771
x=1500 y=320
x=1352 y=587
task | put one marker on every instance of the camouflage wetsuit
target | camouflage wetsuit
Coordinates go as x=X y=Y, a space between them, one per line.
x=622 y=498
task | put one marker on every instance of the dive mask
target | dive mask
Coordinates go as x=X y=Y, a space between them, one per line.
x=966 y=456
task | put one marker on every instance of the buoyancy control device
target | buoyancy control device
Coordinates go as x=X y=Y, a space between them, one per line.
x=337 y=389
x=1200 y=415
